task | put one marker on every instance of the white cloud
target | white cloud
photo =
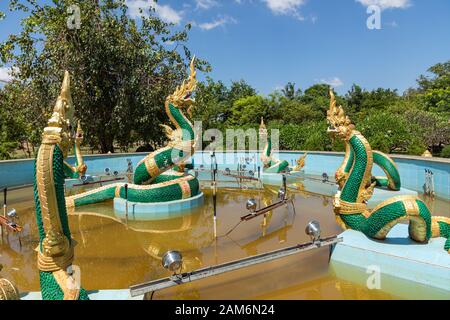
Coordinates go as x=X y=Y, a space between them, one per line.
x=286 y=7
x=334 y=82
x=165 y=12
x=206 y=4
x=221 y=21
x=5 y=74
x=168 y=14
x=386 y=4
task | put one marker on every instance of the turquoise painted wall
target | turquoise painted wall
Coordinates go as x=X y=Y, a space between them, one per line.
x=412 y=169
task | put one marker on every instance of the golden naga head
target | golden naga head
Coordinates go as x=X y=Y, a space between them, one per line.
x=79 y=134
x=339 y=124
x=301 y=162
x=262 y=128
x=182 y=97
x=59 y=125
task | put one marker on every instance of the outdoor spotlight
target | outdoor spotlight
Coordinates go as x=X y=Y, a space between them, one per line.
x=251 y=205
x=282 y=194
x=325 y=177
x=83 y=178
x=313 y=230
x=107 y=171
x=227 y=170
x=251 y=173
x=12 y=213
x=116 y=173
x=172 y=260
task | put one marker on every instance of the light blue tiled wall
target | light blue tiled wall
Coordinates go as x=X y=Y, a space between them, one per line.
x=412 y=171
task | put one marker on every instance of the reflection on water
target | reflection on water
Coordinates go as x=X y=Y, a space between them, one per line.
x=115 y=254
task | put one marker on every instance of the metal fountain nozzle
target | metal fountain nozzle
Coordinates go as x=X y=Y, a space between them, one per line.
x=251 y=205
x=282 y=193
x=172 y=260
x=12 y=213
x=313 y=230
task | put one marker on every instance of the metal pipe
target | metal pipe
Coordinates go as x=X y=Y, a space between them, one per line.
x=126 y=201
x=271 y=207
x=5 y=195
x=164 y=283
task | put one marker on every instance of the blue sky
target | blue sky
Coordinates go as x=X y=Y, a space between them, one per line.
x=271 y=42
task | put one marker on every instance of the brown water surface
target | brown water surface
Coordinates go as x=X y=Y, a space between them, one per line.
x=113 y=254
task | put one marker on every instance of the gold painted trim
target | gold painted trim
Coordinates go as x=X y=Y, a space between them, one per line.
x=64 y=281
x=185 y=189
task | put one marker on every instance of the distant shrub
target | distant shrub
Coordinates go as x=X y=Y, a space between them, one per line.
x=445 y=153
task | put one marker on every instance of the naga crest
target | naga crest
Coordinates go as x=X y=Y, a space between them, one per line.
x=301 y=162
x=262 y=128
x=59 y=126
x=182 y=97
x=339 y=124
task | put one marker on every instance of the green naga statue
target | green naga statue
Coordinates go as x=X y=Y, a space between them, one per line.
x=77 y=171
x=55 y=250
x=270 y=163
x=392 y=178
x=151 y=182
x=350 y=204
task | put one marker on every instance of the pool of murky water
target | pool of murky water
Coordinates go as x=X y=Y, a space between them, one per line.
x=115 y=254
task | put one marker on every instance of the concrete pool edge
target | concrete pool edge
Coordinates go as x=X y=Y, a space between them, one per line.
x=397 y=256
x=412 y=168
x=156 y=210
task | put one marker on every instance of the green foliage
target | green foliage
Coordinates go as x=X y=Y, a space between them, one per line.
x=306 y=136
x=435 y=91
x=121 y=69
x=289 y=91
x=386 y=132
x=249 y=110
x=214 y=101
x=317 y=97
x=445 y=153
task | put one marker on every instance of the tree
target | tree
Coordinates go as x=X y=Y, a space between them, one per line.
x=212 y=106
x=214 y=101
x=355 y=98
x=249 y=110
x=289 y=91
x=317 y=96
x=293 y=111
x=240 y=89
x=121 y=69
x=431 y=128
x=390 y=132
x=435 y=91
